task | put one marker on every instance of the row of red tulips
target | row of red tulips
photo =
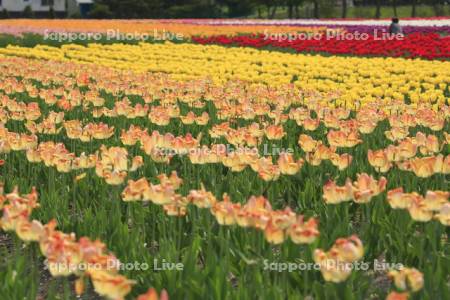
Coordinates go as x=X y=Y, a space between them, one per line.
x=427 y=46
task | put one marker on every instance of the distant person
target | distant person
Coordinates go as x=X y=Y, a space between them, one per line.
x=395 y=27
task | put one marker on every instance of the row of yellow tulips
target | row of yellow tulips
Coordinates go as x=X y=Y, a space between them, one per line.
x=357 y=81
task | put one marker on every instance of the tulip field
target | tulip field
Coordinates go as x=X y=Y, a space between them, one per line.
x=226 y=164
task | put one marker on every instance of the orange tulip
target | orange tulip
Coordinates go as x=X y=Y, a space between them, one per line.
x=219 y=130
x=274 y=235
x=302 y=232
x=367 y=126
x=177 y=207
x=274 y=132
x=159 y=194
x=266 y=169
x=335 y=265
x=325 y=152
x=434 y=200
x=446 y=165
x=397 y=133
x=255 y=213
x=152 y=294
x=202 y=198
x=428 y=144
x=135 y=190
x=333 y=194
x=348 y=249
x=341 y=161
x=115 y=177
x=311 y=124
x=288 y=165
x=234 y=161
x=444 y=215
x=13 y=215
x=379 y=160
x=398 y=199
x=366 y=187
x=407 y=278
x=307 y=143
x=29 y=231
x=331 y=268
x=132 y=136
x=343 y=139
x=397 y=296
x=225 y=211
x=299 y=114
x=84 y=162
x=447 y=137
x=136 y=163
x=418 y=210
x=110 y=285
x=427 y=166
x=62 y=251
x=331 y=121
x=276 y=229
x=188 y=119
x=203 y=119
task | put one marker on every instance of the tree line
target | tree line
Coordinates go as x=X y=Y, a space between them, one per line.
x=269 y=9
x=256 y=8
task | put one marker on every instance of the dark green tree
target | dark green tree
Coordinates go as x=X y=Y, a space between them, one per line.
x=377 y=9
x=413 y=8
x=438 y=7
x=171 y=8
x=394 y=7
x=344 y=8
x=100 y=11
x=28 y=12
x=316 y=11
x=292 y=6
x=51 y=13
x=191 y=9
x=5 y=14
x=130 y=8
x=238 y=8
x=272 y=6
